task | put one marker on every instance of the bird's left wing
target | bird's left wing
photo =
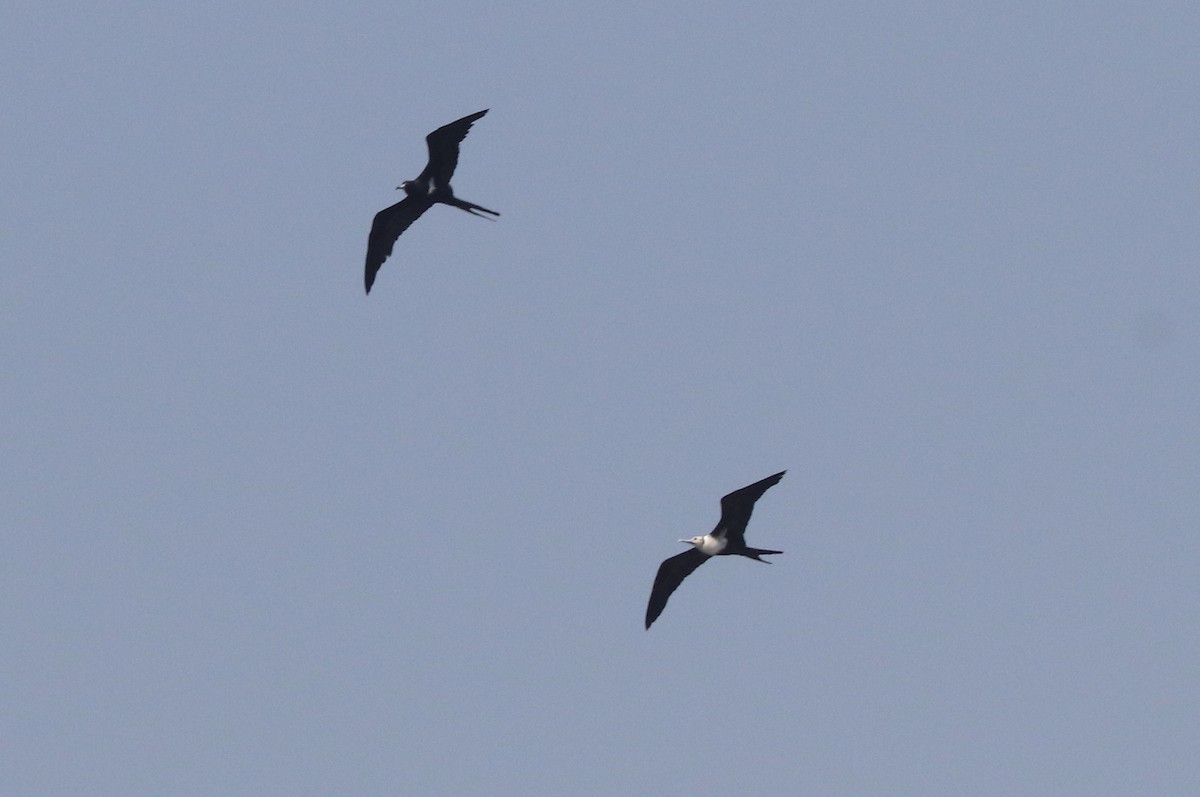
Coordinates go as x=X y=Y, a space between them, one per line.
x=443 y=149
x=671 y=574
x=738 y=505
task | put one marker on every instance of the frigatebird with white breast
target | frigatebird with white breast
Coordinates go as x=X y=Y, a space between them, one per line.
x=430 y=187
x=729 y=537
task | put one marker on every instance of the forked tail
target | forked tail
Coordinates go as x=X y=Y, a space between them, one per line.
x=754 y=553
x=470 y=207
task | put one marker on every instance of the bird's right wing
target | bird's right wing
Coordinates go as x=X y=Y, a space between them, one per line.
x=671 y=574
x=443 y=149
x=386 y=228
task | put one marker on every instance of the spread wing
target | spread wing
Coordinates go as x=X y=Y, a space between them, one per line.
x=737 y=506
x=386 y=228
x=443 y=149
x=671 y=574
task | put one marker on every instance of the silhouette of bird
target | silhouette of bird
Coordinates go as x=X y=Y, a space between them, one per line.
x=431 y=186
x=729 y=537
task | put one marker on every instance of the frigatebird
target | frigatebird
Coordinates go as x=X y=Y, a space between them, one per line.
x=729 y=537
x=431 y=186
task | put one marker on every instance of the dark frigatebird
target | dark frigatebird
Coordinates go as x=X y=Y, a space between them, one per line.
x=729 y=537
x=431 y=186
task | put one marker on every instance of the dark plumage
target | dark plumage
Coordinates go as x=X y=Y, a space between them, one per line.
x=729 y=537
x=431 y=186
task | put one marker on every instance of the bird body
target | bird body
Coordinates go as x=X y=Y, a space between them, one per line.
x=709 y=544
x=430 y=187
x=726 y=539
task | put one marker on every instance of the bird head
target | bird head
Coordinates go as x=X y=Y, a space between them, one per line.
x=696 y=541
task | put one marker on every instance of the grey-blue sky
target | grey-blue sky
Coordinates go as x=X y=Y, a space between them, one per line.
x=937 y=261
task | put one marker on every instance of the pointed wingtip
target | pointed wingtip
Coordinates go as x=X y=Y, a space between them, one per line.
x=774 y=478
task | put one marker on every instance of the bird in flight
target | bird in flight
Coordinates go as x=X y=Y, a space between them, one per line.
x=729 y=537
x=431 y=186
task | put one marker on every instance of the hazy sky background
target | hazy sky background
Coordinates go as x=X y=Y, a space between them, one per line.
x=264 y=535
